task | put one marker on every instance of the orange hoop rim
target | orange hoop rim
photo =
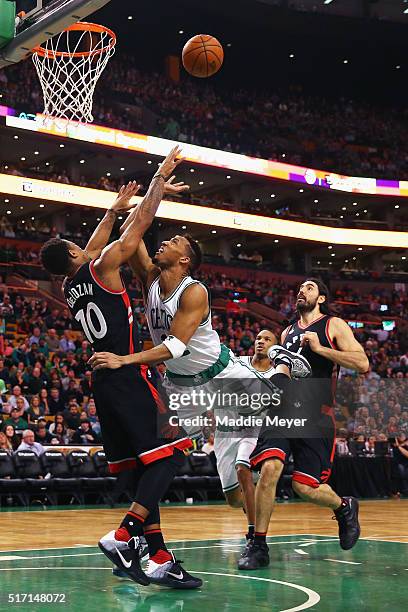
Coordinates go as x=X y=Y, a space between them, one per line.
x=80 y=26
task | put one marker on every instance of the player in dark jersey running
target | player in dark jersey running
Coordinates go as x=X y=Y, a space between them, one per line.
x=327 y=342
x=127 y=404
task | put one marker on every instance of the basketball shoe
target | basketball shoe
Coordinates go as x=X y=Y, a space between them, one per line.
x=171 y=574
x=256 y=556
x=143 y=555
x=298 y=365
x=124 y=557
x=349 y=527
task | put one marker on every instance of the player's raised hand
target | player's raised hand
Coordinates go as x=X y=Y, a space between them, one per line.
x=100 y=361
x=126 y=193
x=171 y=162
x=170 y=187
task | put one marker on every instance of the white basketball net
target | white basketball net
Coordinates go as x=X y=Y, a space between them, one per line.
x=68 y=74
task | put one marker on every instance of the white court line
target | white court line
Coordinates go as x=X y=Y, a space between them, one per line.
x=313 y=597
x=300 y=551
x=317 y=542
x=341 y=561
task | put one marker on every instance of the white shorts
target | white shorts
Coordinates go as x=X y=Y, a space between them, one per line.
x=231 y=452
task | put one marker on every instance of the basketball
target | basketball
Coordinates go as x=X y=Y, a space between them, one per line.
x=202 y=56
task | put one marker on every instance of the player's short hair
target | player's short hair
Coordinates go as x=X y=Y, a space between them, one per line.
x=54 y=256
x=196 y=256
x=323 y=290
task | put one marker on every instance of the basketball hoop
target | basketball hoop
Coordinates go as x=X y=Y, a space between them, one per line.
x=69 y=66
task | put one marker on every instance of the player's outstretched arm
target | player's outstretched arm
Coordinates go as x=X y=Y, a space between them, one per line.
x=101 y=235
x=349 y=352
x=141 y=263
x=118 y=252
x=192 y=310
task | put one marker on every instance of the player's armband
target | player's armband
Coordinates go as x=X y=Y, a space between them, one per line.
x=175 y=346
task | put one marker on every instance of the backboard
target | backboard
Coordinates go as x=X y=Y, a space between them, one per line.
x=43 y=20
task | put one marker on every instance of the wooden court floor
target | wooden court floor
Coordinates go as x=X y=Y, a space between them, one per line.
x=53 y=551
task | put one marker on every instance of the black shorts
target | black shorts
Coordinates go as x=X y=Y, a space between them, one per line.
x=132 y=417
x=313 y=457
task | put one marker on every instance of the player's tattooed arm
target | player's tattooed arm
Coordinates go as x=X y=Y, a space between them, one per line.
x=101 y=235
x=349 y=353
x=191 y=312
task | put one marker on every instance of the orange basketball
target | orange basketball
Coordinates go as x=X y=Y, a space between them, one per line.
x=202 y=55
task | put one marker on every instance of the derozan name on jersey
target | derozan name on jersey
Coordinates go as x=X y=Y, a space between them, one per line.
x=78 y=291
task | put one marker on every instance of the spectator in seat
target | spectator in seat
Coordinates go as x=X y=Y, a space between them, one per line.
x=36 y=411
x=4 y=372
x=36 y=336
x=60 y=435
x=44 y=401
x=28 y=443
x=18 y=395
x=35 y=382
x=11 y=435
x=208 y=447
x=55 y=402
x=86 y=384
x=93 y=417
x=85 y=434
x=16 y=420
x=66 y=344
x=73 y=392
x=52 y=340
x=59 y=418
x=42 y=434
x=71 y=415
x=399 y=466
x=6 y=308
x=5 y=444
x=52 y=319
x=341 y=443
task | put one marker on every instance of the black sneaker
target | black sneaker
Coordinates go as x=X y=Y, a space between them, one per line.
x=349 y=527
x=298 y=365
x=171 y=574
x=124 y=557
x=143 y=551
x=257 y=556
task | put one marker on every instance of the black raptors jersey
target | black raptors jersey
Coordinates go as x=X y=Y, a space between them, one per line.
x=105 y=316
x=321 y=367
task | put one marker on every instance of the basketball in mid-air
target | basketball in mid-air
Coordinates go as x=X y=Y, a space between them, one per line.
x=202 y=55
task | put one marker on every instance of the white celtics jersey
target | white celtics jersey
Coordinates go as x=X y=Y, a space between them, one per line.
x=203 y=348
x=247 y=360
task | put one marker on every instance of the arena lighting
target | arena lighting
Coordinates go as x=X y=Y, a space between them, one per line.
x=327 y=1
x=203 y=215
x=216 y=158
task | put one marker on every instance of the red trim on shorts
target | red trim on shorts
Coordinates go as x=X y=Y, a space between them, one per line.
x=100 y=283
x=140 y=518
x=121 y=466
x=149 y=531
x=161 y=406
x=325 y=475
x=270 y=453
x=306 y=479
x=164 y=451
x=128 y=307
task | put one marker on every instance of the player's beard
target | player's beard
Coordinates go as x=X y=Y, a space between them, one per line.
x=304 y=307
